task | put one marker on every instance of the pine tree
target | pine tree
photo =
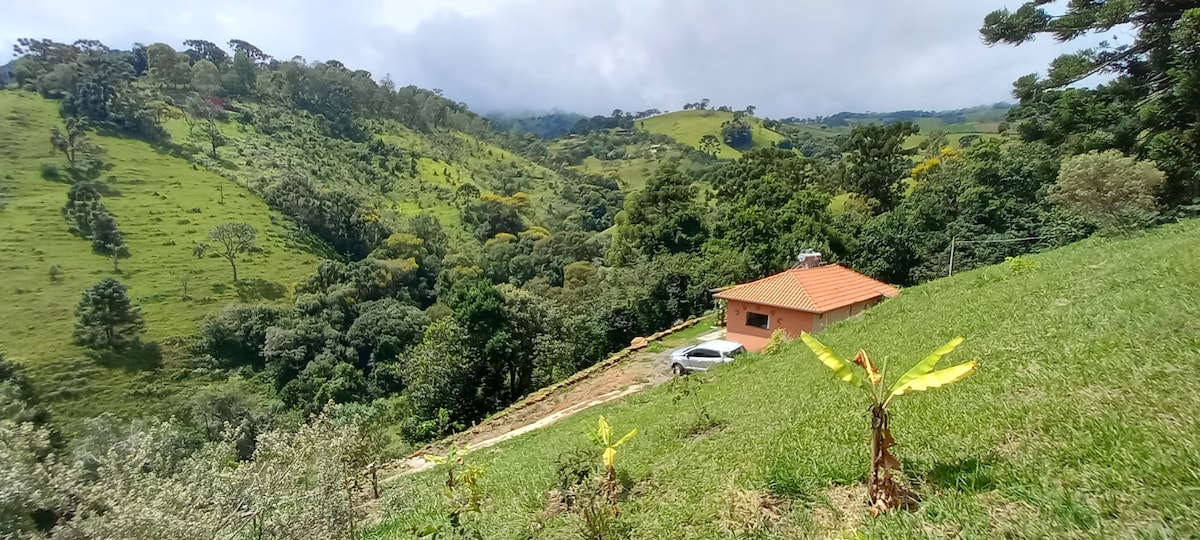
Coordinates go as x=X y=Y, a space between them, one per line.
x=107 y=319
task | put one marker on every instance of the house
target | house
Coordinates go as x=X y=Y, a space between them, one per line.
x=804 y=299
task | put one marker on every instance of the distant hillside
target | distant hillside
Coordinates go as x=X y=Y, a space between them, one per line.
x=546 y=126
x=688 y=127
x=165 y=207
x=994 y=113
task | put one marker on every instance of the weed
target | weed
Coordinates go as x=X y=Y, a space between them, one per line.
x=688 y=389
x=1020 y=265
x=461 y=497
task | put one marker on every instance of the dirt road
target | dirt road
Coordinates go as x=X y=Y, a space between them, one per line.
x=610 y=380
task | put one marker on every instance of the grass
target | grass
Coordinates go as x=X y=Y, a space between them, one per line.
x=1080 y=422
x=164 y=207
x=687 y=127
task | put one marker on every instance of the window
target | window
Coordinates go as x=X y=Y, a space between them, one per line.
x=758 y=320
x=703 y=353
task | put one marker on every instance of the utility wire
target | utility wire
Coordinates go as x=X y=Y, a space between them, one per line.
x=954 y=241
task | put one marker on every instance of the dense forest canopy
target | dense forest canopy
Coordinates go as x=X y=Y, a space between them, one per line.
x=468 y=262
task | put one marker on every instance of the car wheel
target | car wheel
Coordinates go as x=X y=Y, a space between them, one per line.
x=678 y=370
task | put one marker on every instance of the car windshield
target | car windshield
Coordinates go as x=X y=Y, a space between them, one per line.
x=736 y=352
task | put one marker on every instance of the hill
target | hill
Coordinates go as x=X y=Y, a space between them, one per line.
x=363 y=195
x=164 y=206
x=547 y=126
x=687 y=127
x=166 y=194
x=1074 y=424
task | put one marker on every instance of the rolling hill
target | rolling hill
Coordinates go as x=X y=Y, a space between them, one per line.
x=165 y=199
x=687 y=127
x=164 y=206
x=1077 y=423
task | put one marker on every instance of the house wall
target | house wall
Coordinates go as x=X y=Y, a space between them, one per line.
x=828 y=318
x=791 y=321
x=736 y=329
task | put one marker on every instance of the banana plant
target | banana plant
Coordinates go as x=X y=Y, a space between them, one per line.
x=882 y=490
x=603 y=437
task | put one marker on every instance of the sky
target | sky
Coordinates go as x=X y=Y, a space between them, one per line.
x=786 y=57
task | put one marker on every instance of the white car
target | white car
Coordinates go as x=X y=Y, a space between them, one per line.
x=704 y=356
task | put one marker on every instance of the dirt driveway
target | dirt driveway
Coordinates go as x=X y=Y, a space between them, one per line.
x=621 y=375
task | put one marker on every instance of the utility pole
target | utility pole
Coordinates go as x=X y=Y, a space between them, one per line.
x=953 y=239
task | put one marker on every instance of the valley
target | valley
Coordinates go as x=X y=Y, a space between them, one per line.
x=334 y=306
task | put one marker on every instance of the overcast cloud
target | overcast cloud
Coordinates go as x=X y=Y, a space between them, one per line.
x=788 y=58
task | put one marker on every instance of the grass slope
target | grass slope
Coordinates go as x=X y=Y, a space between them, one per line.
x=164 y=207
x=687 y=127
x=1079 y=423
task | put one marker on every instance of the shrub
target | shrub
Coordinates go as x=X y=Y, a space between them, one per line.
x=50 y=172
x=1109 y=189
x=778 y=338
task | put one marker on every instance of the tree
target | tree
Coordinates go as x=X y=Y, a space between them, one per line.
x=737 y=133
x=252 y=52
x=84 y=159
x=235 y=336
x=662 y=218
x=877 y=163
x=1152 y=106
x=207 y=113
x=106 y=237
x=107 y=319
x=199 y=49
x=242 y=79
x=83 y=201
x=933 y=144
x=74 y=141
x=494 y=214
x=170 y=72
x=710 y=144
x=442 y=374
x=1107 y=188
x=883 y=492
x=231 y=239
x=465 y=194
x=206 y=78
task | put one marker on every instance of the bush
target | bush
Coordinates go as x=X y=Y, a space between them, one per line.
x=51 y=172
x=1113 y=191
x=777 y=339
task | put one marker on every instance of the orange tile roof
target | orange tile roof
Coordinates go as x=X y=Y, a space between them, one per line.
x=818 y=290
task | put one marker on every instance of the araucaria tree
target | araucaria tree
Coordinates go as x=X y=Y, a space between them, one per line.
x=882 y=490
x=107 y=319
x=877 y=162
x=230 y=239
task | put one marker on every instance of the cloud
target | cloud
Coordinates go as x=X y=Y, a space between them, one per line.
x=591 y=56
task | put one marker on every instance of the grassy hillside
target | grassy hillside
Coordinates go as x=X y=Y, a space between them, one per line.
x=164 y=206
x=687 y=127
x=1079 y=423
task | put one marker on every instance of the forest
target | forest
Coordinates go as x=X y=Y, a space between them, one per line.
x=437 y=303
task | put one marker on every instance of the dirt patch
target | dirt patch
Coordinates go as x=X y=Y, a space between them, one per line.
x=844 y=512
x=751 y=512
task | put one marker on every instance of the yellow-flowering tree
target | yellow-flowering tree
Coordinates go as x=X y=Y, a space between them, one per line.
x=882 y=490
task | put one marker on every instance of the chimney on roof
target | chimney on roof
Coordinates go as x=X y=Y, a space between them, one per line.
x=808 y=259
